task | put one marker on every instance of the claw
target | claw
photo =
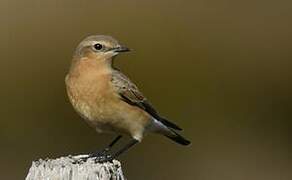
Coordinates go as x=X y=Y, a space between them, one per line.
x=98 y=156
x=104 y=152
x=105 y=158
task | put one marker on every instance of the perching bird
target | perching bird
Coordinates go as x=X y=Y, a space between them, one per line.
x=106 y=98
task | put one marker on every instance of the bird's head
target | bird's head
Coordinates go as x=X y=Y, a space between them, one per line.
x=99 y=47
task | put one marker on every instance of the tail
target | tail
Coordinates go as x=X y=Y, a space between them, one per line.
x=171 y=134
x=167 y=128
x=169 y=124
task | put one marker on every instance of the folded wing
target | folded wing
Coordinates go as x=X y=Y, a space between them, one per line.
x=129 y=93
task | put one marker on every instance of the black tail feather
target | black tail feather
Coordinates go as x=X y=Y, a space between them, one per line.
x=169 y=124
x=178 y=138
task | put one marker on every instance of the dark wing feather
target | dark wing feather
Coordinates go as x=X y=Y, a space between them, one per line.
x=129 y=93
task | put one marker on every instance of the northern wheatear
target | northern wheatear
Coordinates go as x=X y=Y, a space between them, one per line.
x=107 y=100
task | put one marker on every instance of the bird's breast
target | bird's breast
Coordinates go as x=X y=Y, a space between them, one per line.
x=99 y=104
x=89 y=95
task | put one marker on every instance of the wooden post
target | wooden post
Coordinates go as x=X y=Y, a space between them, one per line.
x=66 y=168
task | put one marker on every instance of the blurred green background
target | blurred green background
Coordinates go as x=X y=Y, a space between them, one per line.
x=220 y=69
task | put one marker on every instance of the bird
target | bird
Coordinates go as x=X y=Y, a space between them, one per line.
x=108 y=100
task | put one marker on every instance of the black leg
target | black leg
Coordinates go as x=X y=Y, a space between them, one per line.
x=114 y=142
x=125 y=148
x=103 y=154
x=107 y=149
x=108 y=157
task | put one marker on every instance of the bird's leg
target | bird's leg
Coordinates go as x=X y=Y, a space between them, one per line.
x=103 y=154
x=105 y=151
x=120 y=151
x=125 y=148
x=113 y=143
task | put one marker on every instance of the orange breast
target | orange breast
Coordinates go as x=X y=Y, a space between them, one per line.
x=94 y=98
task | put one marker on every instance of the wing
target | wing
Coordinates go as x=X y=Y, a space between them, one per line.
x=129 y=93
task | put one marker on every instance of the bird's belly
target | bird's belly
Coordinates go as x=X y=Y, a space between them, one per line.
x=119 y=117
x=108 y=114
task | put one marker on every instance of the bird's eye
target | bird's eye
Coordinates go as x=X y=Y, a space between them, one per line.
x=98 y=46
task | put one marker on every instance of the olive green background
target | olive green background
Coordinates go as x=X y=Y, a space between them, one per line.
x=220 y=69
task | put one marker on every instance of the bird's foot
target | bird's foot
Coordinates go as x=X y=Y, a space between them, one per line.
x=101 y=153
x=104 y=158
x=98 y=156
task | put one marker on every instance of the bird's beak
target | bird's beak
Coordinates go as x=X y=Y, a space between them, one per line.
x=121 y=49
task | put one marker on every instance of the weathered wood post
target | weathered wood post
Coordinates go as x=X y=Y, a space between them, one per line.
x=68 y=168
